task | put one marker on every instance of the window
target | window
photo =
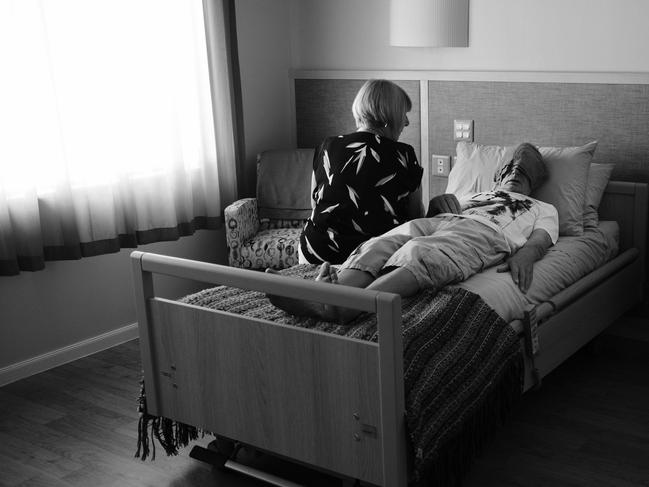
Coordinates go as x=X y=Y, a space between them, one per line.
x=107 y=126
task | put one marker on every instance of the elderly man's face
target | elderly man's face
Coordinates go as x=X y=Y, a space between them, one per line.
x=514 y=178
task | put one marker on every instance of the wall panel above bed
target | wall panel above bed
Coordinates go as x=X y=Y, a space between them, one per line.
x=544 y=113
x=323 y=108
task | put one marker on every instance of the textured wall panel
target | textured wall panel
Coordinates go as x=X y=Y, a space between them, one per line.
x=505 y=113
x=323 y=107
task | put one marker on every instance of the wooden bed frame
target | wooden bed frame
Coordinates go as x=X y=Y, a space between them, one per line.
x=333 y=402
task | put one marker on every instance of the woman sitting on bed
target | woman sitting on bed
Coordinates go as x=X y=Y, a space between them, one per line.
x=504 y=224
x=366 y=182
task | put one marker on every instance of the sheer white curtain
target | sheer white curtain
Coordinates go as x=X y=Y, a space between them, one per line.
x=107 y=126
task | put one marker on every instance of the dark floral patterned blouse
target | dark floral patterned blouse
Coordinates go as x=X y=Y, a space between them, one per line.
x=362 y=186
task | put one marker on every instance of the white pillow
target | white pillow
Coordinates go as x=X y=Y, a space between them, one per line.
x=598 y=177
x=475 y=167
x=565 y=188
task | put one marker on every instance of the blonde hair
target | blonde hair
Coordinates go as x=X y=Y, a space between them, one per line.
x=379 y=104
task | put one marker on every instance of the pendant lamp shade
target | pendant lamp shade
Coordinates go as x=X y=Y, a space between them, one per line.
x=429 y=23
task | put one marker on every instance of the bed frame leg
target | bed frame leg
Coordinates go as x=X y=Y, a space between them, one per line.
x=532 y=345
x=214 y=458
x=222 y=462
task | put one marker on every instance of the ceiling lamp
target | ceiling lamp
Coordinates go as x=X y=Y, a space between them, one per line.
x=429 y=23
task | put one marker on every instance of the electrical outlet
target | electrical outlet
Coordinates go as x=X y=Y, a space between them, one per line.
x=440 y=165
x=463 y=130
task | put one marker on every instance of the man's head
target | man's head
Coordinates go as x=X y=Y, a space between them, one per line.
x=524 y=173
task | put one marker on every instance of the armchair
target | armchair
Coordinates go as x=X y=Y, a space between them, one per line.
x=264 y=231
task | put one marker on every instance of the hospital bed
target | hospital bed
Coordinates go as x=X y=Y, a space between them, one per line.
x=337 y=403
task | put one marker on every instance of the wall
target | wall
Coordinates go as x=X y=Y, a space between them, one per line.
x=73 y=307
x=263 y=30
x=57 y=312
x=549 y=35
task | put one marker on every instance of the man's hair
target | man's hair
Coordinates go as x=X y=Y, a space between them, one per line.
x=528 y=160
x=380 y=103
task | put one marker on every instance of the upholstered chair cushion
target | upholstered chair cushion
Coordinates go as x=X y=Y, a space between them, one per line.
x=276 y=248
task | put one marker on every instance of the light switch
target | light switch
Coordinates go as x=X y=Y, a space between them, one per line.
x=463 y=130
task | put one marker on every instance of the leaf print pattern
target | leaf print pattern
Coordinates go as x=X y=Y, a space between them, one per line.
x=347 y=163
x=332 y=236
x=361 y=158
x=327 y=167
x=330 y=208
x=402 y=159
x=402 y=196
x=384 y=180
x=354 y=145
x=388 y=206
x=358 y=228
x=353 y=195
x=375 y=155
x=311 y=250
x=319 y=194
x=358 y=157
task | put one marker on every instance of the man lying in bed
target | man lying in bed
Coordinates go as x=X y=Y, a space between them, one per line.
x=504 y=225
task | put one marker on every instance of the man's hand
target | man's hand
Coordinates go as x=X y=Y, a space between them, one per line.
x=444 y=203
x=521 y=264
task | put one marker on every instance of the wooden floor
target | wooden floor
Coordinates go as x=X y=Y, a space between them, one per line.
x=76 y=426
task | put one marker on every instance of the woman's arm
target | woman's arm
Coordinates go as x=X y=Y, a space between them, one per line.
x=415 y=207
x=313 y=185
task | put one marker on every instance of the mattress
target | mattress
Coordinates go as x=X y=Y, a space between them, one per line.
x=570 y=259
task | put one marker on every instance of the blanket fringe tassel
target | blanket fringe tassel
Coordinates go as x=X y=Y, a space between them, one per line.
x=457 y=455
x=172 y=435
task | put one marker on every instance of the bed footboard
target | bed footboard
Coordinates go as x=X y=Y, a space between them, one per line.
x=326 y=400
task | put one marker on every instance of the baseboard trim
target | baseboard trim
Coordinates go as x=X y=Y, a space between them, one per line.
x=49 y=360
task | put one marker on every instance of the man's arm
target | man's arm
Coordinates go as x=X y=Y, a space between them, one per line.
x=443 y=203
x=521 y=264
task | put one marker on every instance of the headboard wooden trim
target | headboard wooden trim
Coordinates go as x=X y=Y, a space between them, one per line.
x=628 y=204
x=627 y=77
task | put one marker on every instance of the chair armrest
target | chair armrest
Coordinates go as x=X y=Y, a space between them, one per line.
x=241 y=221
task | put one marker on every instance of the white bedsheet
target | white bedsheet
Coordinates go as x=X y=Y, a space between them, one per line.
x=565 y=263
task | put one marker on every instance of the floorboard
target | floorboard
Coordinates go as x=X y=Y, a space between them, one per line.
x=76 y=426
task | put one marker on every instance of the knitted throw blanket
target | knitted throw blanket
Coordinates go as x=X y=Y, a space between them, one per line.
x=463 y=370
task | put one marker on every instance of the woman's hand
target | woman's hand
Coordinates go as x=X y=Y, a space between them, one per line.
x=444 y=203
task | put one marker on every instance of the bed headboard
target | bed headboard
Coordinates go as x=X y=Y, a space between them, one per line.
x=323 y=107
x=549 y=109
